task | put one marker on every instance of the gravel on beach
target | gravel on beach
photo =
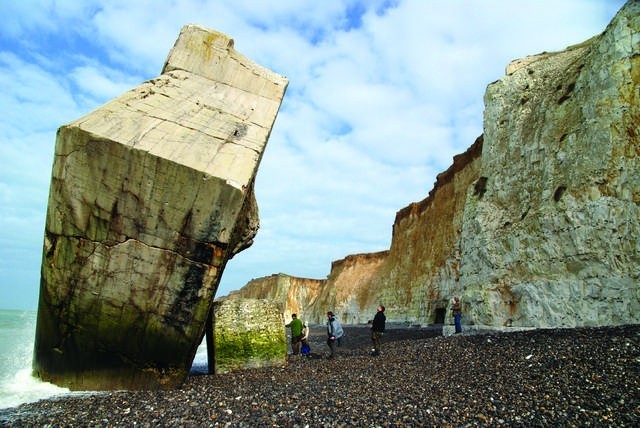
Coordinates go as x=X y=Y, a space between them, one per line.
x=551 y=377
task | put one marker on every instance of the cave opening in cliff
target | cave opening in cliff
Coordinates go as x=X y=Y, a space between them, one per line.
x=480 y=187
x=557 y=195
x=440 y=315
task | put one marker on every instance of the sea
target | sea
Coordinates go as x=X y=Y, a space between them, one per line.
x=17 y=385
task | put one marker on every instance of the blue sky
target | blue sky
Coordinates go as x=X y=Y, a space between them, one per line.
x=382 y=94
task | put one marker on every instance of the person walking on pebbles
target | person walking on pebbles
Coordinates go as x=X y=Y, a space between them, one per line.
x=296 y=327
x=377 y=329
x=334 y=332
x=456 y=310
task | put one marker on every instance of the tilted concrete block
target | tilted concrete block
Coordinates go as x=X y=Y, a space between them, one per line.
x=151 y=194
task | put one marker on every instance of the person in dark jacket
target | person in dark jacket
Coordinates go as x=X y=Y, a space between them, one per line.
x=377 y=329
x=456 y=311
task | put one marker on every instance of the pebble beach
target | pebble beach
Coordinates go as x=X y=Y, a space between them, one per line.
x=550 y=377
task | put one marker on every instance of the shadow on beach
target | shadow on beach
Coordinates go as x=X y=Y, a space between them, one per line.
x=358 y=337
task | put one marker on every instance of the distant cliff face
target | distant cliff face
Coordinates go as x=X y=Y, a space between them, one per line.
x=423 y=267
x=350 y=290
x=294 y=295
x=414 y=279
x=537 y=224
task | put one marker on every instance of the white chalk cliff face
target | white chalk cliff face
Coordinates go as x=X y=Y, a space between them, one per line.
x=151 y=194
x=537 y=224
x=554 y=238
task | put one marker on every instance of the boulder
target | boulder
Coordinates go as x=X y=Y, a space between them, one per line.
x=248 y=333
x=151 y=194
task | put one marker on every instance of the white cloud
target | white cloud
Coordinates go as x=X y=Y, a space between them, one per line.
x=31 y=97
x=41 y=16
x=102 y=82
x=381 y=96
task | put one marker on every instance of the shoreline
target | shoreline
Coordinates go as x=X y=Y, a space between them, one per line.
x=567 y=377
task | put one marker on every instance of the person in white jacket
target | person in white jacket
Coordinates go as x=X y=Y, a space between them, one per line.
x=305 y=349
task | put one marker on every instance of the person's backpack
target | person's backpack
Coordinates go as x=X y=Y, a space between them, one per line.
x=337 y=328
x=305 y=349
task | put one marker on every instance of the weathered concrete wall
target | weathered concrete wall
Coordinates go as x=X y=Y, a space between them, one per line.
x=248 y=333
x=150 y=195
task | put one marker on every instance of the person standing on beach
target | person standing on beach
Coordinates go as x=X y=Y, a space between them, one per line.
x=296 y=327
x=456 y=310
x=377 y=329
x=334 y=332
x=305 y=349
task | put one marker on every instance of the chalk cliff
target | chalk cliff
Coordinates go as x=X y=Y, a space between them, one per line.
x=150 y=196
x=537 y=224
x=554 y=239
x=293 y=295
x=346 y=292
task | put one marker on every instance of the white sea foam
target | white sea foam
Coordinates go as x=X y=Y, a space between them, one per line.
x=17 y=385
x=200 y=364
x=201 y=354
x=24 y=388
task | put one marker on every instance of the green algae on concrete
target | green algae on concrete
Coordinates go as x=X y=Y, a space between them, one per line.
x=248 y=333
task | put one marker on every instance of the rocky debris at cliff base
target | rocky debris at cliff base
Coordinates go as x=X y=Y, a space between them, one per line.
x=556 y=377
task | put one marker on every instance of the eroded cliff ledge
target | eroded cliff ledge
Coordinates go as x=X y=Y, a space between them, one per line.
x=150 y=196
x=538 y=223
